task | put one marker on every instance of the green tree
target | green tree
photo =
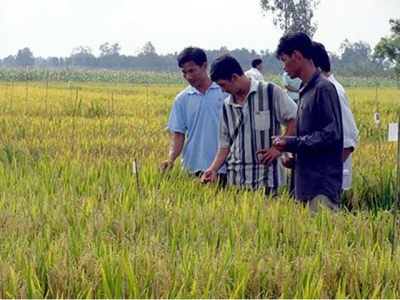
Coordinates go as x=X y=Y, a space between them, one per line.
x=109 y=50
x=83 y=57
x=292 y=15
x=109 y=56
x=25 y=58
x=148 y=48
x=9 y=61
x=389 y=48
x=53 y=61
x=356 y=60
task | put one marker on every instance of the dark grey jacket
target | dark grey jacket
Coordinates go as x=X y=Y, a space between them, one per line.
x=318 y=144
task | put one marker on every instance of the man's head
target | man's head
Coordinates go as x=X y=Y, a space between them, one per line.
x=293 y=49
x=194 y=54
x=225 y=71
x=257 y=63
x=193 y=62
x=320 y=57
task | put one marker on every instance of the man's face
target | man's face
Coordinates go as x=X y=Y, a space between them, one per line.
x=194 y=74
x=231 y=86
x=227 y=86
x=290 y=64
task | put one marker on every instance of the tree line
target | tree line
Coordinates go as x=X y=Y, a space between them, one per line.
x=356 y=59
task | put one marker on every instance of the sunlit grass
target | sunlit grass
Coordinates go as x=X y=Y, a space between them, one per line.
x=77 y=222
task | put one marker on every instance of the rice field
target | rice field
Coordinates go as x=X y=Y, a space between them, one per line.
x=79 y=220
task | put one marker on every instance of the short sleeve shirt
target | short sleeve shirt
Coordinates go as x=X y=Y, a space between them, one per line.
x=255 y=74
x=197 y=116
x=246 y=129
x=350 y=131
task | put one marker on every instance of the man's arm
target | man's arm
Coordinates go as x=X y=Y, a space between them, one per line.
x=350 y=131
x=347 y=152
x=292 y=89
x=220 y=158
x=290 y=128
x=270 y=154
x=330 y=125
x=175 y=149
x=285 y=112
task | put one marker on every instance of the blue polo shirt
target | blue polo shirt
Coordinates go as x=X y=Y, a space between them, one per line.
x=197 y=116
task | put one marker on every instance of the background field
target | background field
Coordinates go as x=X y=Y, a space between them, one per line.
x=77 y=222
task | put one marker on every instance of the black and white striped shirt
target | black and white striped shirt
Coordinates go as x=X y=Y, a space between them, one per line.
x=245 y=129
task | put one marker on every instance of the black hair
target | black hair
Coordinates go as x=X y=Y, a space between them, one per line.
x=255 y=62
x=224 y=67
x=320 y=57
x=197 y=55
x=294 y=41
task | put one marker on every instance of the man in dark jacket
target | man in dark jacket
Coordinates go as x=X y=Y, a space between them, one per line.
x=318 y=143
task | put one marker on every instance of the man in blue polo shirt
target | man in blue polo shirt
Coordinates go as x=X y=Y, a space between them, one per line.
x=195 y=115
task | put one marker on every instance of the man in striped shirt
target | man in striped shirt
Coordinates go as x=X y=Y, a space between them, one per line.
x=253 y=113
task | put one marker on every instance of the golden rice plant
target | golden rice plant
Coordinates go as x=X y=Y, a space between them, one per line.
x=76 y=221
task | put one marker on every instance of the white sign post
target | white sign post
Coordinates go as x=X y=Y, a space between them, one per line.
x=394 y=136
x=393 y=132
x=135 y=170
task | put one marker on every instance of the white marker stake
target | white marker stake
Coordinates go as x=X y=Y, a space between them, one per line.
x=135 y=170
x=393 y=132
x=134 y=167
x=394 y=135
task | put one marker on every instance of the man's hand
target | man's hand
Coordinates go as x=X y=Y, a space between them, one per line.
x=347 y=152
x=175 y=149
x=279 y=142
x=166 y=164
x=269 y=155
x=209 y=176
x=288 y=160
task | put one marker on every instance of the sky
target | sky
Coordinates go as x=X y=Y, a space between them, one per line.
x=56 y=27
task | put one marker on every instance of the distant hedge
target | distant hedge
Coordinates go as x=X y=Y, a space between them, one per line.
x=90 y=76
x=138 y=77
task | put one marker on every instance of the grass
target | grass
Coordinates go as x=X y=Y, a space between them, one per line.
x=77 y=222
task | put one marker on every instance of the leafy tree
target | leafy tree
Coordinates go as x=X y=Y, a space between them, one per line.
x=271 y=64
x=9 y=61
x=25 y=58
x=53 y=61
x=389 y=48
x=62 y=62
x=355 y=60
x=40 y=63
x=148 y=59
x=109 y=50
x=83 y=57
x=109 y=56
x=148 y=48
x=353 y=52
x=292 y=15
